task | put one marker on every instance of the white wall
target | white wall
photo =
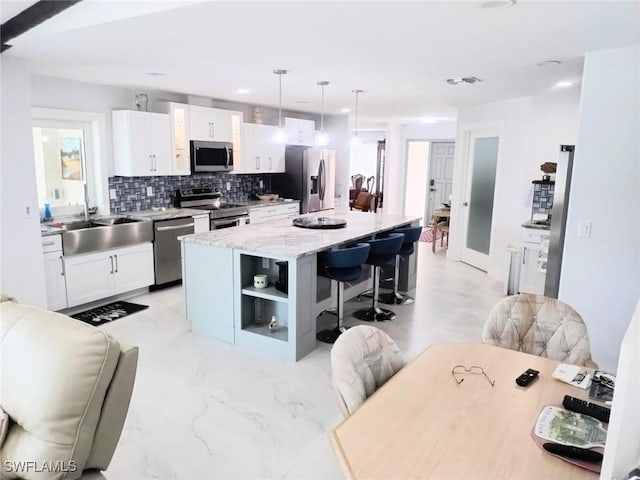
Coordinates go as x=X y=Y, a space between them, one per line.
x=416 y=180
x=601 y=274
x=21 y=261
x=337 y=128
x=533 y=128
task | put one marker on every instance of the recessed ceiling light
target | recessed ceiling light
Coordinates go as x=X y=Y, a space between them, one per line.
x=242 y=91
x=548 y=63
x=563 y=84
x=429 y=120
x=498 y=3
x=302 y=102
x=156 y=74
x=345 y=110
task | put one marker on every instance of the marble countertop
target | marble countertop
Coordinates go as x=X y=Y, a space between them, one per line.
x=168 y=214
x=536 y=226
x=260 y=203
x=281 y=239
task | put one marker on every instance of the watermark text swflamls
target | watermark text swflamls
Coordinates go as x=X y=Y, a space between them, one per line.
x=32 y=466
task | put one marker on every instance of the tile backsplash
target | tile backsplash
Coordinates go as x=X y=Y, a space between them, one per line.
x=131 y=192
x=542 y=197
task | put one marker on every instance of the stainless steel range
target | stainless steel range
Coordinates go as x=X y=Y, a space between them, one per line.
x=221 y=215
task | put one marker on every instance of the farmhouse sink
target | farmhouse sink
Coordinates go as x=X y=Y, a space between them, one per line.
x=104 y=233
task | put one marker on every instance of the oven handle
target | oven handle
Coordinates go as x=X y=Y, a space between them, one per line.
x=175 y=227
x=234 y=221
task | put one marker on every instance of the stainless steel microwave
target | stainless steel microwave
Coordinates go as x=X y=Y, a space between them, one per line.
x=211 y=157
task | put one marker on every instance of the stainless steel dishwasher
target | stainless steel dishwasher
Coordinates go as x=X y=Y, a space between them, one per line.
x=166 y=248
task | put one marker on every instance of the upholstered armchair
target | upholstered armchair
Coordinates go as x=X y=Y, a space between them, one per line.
x=362 y=360
x=540 y=326
x=66 y=388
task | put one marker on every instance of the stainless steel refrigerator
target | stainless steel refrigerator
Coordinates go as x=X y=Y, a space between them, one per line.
x=559 y=220
x=310 y=177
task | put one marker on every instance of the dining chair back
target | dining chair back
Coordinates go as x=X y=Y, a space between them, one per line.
x=540 y=326
x=363 y=359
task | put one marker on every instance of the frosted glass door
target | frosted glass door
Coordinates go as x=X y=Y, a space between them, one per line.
x=481 y=180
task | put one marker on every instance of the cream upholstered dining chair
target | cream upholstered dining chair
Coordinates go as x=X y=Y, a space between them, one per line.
x=362 y=360
x=540 y=326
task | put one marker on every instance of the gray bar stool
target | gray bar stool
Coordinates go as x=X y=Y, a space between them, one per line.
x=342 y=265
x=411 y=236
x=383 y=252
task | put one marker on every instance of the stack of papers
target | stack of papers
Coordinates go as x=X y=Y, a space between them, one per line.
x=573 y=375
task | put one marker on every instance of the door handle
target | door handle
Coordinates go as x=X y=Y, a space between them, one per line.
x=116 y=257
x=226 y=149
x=62 y=272
x=174 y=227
x=465 y=204
x=433 y=189
x=111 y=258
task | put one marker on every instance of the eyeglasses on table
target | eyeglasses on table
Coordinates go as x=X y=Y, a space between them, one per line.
x=474 y=370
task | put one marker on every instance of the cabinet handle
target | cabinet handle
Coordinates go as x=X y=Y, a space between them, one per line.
x=48 y=244
x=155 y=163
x=270 y=163
x=62 y=272
x=116 y=257
x=151 y=160
x=111 y=258
x=524 y=254
x=257 y=163
x=213 y=130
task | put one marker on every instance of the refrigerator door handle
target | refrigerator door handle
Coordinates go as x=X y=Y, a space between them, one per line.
x=321 y=179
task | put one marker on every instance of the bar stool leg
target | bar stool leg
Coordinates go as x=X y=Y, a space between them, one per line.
x=330 y=336
x=375 y=313
x=395 y=297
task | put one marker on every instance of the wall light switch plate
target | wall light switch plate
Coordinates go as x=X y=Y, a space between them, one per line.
x=228 y=185
x=584 y=230
x=149 y=191
x=112 y=194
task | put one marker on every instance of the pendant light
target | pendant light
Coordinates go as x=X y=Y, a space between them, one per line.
x=356 y=140
x=322 y=138
x=281 y=136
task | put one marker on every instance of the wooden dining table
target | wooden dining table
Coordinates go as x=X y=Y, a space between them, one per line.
x=423 y=424
x=439 y=218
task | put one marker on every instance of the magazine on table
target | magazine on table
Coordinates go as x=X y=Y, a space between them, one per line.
x=602 y=385
x=562 y=426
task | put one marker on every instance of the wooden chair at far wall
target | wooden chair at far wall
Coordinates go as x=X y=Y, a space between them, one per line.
x=362 y=202
x=540 y=326
x=362 y=360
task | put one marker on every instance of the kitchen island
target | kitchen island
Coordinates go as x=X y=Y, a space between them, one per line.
x=218 y=276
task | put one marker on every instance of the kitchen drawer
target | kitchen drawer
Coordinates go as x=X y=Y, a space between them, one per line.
x=52 y=243
x=535 y=236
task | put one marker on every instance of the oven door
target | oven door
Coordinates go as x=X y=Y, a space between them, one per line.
x=218 y=223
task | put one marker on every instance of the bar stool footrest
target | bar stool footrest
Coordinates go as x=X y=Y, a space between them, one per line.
x=374 y=315
x=395 y=299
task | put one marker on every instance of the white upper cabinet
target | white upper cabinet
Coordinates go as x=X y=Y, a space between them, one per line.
x=299 y=131
x=212 y=124
x=180 y=154
x=141 y=143
x=260 y=152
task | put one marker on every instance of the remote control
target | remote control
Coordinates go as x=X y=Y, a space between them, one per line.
x=583 y=454
x=582 y=406
x=527 y=377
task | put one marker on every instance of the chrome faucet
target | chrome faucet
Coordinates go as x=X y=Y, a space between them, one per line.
x=86 y=202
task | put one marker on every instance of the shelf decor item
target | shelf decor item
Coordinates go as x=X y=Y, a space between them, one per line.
x=142 y=101
x=260 y=280
x=273 y=324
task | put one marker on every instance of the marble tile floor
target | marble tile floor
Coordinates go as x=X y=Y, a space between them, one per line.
x=204 y=409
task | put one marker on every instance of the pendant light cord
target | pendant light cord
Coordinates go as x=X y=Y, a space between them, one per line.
x=357 y=92
x=280 y=100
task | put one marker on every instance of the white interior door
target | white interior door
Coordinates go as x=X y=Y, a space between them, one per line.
x=477 y=206
x=440 y=176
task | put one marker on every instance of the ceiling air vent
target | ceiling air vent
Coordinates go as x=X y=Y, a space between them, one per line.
x=456 y=81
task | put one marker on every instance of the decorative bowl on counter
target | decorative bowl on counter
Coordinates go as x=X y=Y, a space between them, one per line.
x=268 y=197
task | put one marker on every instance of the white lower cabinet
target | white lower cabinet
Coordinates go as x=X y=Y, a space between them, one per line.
x=92 y=276
x=200 y=223
x=54 y=278
x=274 y=212
x=533 y=270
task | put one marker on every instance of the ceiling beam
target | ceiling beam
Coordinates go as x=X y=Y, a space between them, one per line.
x=31 y=17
